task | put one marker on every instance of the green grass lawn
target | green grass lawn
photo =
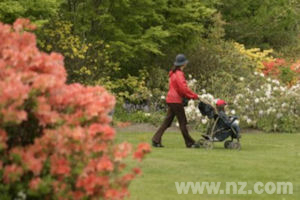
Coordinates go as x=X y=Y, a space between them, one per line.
x=263 y=158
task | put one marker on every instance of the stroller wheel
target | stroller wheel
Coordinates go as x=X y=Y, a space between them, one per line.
x=235 y=145
x=238 y=146
x=208 y=145
x=227 y=144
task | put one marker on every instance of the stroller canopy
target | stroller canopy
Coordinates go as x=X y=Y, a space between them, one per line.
x=206 y=110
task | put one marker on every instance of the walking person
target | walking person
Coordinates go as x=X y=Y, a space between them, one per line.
x=178 y=90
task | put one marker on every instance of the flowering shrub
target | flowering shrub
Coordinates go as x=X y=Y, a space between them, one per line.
x=55 y=139
x=259 y=102
x=273 y=67
x=280 y=69
x=267 y=104
x=296 y=67
x=255 y=54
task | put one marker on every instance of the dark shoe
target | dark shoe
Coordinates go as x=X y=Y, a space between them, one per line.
x=154 y=144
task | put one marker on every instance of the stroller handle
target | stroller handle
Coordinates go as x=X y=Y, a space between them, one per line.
x=206 y=102
x=234 y=118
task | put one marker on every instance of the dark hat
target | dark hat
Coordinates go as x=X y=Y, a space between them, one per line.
x=180 y=60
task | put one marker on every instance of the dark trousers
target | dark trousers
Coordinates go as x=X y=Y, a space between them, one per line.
x=174 y=109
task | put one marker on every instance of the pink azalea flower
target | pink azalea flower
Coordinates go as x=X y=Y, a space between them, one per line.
x=105 y=164
x=12 y=173
x=34 y=183
x=59 y=166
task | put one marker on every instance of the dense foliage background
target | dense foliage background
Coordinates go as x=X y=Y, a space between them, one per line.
x=129 y=45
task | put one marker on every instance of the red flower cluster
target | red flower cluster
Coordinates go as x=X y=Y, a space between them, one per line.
x=142 y=149
x=72 y=149
x=272 y=68
x=296 y=67
x=280 y=69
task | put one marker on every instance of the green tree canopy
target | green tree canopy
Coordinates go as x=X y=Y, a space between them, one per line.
x=36 y=10
x=139 y=30
x=262 y=23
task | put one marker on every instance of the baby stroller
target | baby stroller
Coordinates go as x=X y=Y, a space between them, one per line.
x=218 y=129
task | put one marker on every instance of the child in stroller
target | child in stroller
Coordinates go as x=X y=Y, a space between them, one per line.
x=220 y=126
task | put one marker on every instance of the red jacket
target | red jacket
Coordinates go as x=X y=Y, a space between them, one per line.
x=178 y=88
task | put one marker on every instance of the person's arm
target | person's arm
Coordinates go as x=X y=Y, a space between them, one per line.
x=184 y=90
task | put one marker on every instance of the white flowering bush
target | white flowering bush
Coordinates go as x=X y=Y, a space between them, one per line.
x=267 y=104
x=259 y=102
